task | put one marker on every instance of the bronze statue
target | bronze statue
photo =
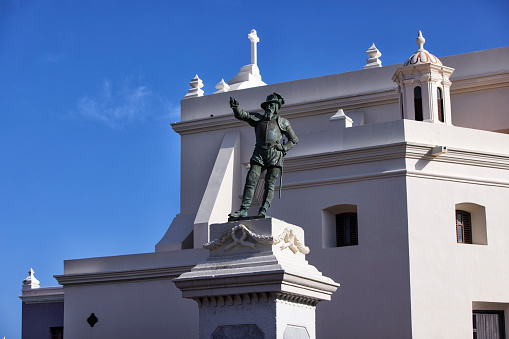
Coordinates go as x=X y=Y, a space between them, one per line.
x=269 y=151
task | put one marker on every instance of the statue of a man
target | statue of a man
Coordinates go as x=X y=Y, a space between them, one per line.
x=269 y=151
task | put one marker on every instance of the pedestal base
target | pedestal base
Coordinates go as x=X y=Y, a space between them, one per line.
x=257 y=316
x=256 y=282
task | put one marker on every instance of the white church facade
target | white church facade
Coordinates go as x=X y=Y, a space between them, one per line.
x=400 y=181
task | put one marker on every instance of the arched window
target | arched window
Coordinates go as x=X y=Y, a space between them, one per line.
x=346 y=229
x=339 y=226
x=418 y=103
x=440 y=104
x=463 y=227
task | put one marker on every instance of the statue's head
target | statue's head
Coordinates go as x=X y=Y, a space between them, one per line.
x=274 y=98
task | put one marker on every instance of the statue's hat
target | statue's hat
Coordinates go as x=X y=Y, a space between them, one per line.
x=274 y=97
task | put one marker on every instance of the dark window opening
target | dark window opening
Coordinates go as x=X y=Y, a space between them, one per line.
x=489 y=325
x=440 y=104
x=346 y=229
x=418 y=104
x=57 y=332
x=463 y=227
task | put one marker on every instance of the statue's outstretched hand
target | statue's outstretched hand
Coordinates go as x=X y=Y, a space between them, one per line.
x=233 y=103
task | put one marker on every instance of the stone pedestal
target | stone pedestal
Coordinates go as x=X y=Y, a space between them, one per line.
x=256 y=282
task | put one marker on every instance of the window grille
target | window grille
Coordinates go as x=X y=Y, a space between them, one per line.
x=346 y=229
x=440 y=104
x=463 y=227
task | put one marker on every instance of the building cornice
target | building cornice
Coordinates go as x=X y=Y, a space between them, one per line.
x=330 y=106
x=401 y=151
x=395 y=151
x=392 y=174
x=43 y=295
x=300 y=110
x=478 y=83
x=122 y=276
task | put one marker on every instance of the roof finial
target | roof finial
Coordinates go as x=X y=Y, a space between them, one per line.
x=222 y=87
x=196 y=85
x=30 y=282
x=420 y=41
x=373 y=54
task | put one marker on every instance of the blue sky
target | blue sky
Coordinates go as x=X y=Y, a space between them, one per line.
x=89 y=163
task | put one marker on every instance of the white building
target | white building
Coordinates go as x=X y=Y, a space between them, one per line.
x=400 y=181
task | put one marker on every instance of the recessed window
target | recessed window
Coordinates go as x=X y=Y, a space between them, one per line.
x=346 y=229
x=440 y=104
x=418 y=103
x=471 y=224
x=463 y=227
x=340 y=226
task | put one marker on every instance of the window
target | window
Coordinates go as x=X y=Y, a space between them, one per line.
x=346 y=229
x=471 y=224
x=57 y=332
x=463 y=227
x=440 y=104
x=339 y=226
x=489 y=324
x=418 y=103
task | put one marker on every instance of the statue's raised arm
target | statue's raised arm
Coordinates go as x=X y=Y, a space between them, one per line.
x=250 y=118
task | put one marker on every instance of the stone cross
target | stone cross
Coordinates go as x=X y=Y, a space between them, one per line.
x=254 y=40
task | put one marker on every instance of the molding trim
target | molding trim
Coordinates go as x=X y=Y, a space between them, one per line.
x=330 y=106
x=479 y=83
x=43 y=295
x=463 y=180
x=311 y=108
x=345 y=157
x=393 y=174
x=400 y=151
x=254 y=298
x=123 y=276
x=344 y=179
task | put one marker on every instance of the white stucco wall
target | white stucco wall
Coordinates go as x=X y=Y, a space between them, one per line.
x=141 y=309
x=448 y=277
x=407 y=277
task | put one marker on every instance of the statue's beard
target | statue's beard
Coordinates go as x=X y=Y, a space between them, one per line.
x=269 y=114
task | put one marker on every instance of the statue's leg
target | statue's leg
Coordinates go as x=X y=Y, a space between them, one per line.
x=268 y=194
x=251 y=180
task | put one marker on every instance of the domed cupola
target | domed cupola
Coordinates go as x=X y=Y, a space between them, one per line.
x=422 y=56
x=424 y=87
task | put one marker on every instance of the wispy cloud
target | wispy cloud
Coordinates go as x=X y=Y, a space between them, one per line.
x=53 y=57
x=122 y=105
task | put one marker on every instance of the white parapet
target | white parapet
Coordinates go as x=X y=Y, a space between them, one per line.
x=256 y=280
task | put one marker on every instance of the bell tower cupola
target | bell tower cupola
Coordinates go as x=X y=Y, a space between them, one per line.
x=424 y=87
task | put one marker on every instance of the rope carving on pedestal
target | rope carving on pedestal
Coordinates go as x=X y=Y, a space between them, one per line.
x=288 y=238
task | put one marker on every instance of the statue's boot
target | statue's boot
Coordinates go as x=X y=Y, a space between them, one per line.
x=247 y=197
x=268 y=194
x=262 y=212
x=241 y=213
